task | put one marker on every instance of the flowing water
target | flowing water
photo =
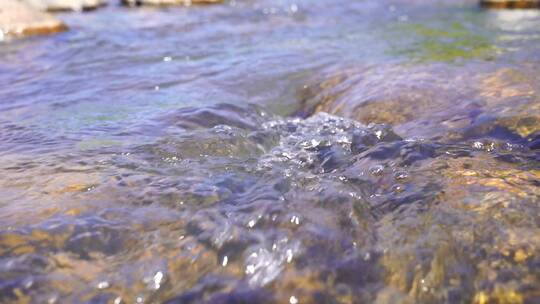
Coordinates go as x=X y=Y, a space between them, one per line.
x=182 y=155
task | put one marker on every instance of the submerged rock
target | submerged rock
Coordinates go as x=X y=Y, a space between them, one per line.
x=169 y=2
x=510 y=3
x=232 y=205
x=434 y=101
x=20 y=19
x=66 y=5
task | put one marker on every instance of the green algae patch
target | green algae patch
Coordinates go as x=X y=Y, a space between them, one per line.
x=446 y=44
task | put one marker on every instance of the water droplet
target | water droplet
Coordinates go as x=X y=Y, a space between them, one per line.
x=250 y=269
x=251 y=223
x=289 y=255
x=103 y=285
x=367 y=256
x=295 y=220
x=294 y=8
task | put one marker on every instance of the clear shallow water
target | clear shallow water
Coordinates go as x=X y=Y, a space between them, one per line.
x=147 y=155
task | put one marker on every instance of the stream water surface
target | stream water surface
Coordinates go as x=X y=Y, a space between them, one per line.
x=186 y=155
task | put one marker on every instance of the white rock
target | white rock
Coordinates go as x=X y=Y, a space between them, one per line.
x=20 y=19
x=168 y=2
x=66 y=5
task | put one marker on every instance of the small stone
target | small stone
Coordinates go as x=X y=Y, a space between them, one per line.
x=510 y=3
x=20 y=19
x=168 y=2
x=520 y=256
x=66 y=5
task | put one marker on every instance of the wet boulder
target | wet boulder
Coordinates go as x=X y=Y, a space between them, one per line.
x=433 y=100
x=20 y=19
x=415 y=100
x=470 y=238
x=66 y=5
x=511 y=97
x=510 y=3
x=168 y=2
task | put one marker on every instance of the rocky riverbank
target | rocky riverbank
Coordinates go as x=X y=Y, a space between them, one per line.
x=20 y=18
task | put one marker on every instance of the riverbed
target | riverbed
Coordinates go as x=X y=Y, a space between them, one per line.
x=273 y=151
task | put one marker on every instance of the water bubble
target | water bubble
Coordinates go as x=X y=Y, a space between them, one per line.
x=293 y=300
x=401 y=175
x=376 y=170
x=397 y=189
x=478 y=145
